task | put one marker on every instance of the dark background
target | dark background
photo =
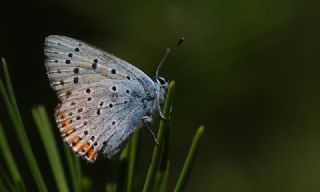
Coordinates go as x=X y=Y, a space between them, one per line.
x=248 y=72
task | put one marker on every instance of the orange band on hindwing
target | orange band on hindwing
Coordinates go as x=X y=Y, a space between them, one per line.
x=92 y=154
x=86 y=147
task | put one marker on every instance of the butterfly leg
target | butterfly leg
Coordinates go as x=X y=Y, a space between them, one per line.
x=146 y=120
x=161 y=114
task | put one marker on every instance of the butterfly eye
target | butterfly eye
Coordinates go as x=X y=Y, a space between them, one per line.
x=162 y=80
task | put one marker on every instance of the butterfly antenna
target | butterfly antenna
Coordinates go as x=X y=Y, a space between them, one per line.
x=168 y=51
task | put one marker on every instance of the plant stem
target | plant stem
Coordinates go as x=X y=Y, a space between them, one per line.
x=16 y=119
x=10 y=162
x=73 y=173
x=41 y=118
x=189 y=161
x=163 y=186
x=160 y=137
x=133 y=148
x=122 y=170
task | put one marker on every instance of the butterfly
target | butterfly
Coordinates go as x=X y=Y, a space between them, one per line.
x=104 y=99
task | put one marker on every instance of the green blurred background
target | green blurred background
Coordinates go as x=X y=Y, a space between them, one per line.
x=248 y=71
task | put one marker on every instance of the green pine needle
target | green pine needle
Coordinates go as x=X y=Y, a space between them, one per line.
x=164 y=177
x=156 y=156
x=10 y=162
x=6 y=183
x=189 y=161
x=86 y=184
x=133 y=149
x=10 y=102
x=122 y=170
x=73 y=165
x=111 y=187
x=46 y=132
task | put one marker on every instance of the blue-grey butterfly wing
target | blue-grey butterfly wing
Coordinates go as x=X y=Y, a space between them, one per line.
x=119 y=138
x=100 y=93
x=99 y=116
x=71 y=63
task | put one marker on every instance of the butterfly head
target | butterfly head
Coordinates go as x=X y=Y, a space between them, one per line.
x=163 y=86
x=163 y=82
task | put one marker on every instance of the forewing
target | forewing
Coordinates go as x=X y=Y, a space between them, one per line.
x=72 y=63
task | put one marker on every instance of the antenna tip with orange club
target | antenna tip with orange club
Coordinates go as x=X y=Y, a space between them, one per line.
x=181 y=40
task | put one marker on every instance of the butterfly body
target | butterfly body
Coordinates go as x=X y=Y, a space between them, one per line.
x=104 y=99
